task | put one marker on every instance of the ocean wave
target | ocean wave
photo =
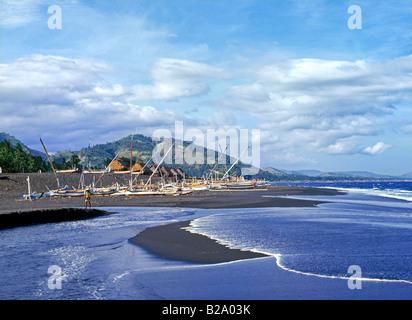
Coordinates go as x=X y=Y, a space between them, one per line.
x=387 y=193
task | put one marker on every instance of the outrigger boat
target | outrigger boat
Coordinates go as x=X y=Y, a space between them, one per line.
x=172 y=190
x=134 y=192
x=241 y=185
x=36 y=195
x=201 y=187
x=139 y=191
x=67 y=193
x=238 y=184
x=66 y=171
x=80 y=192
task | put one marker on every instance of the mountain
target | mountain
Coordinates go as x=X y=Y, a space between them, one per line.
x=320 y=175
x=406 y=176
x=13 y=141
x=99 y=155
x=276 y=172
x=309 y=173
x=362 y=174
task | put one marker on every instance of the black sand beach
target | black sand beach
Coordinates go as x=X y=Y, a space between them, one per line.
x=173 y=242
x=13 y=185
x=170 y=241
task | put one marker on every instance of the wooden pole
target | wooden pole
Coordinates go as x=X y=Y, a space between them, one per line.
x=48 y=157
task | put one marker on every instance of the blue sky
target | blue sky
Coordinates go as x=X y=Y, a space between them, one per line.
x=323 y=96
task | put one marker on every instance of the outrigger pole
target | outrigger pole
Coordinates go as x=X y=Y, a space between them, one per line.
x=221 y=155
x=48 y=157
x=154 y=171
x=105 y=170
x=84 y=166
x=142 y=170
x=131 y=156
x=28 y=188
x=235 y=163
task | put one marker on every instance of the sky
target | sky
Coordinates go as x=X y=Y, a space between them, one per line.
x=328 y=88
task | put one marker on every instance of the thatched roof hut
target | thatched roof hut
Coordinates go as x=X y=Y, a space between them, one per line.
x=116 y=165
x=177 y=172
x=165 y=171
x=153 y=168
x=180 y=171
x=137 y=167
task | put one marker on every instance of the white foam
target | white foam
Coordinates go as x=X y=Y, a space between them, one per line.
x=387 y=193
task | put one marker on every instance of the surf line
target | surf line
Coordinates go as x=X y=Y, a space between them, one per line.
x=280 y=265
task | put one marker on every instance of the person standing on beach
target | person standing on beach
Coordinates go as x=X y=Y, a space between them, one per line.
x=87 y=197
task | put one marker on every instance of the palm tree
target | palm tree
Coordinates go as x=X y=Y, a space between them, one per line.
x=74 y=160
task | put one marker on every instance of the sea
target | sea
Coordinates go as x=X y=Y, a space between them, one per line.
x=361 y=237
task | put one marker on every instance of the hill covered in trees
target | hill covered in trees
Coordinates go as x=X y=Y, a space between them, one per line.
x=100 y=155
x=16 y=159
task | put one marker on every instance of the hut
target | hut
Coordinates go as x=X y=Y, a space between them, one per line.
x=137 y=167
x=116 y=165
x=166 y=171
x=177 y=173
x=163 y=171
x=152 y=169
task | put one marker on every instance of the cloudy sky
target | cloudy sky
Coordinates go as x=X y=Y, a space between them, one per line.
x=324 y=96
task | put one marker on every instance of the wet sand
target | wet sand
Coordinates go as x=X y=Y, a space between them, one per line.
x=173 y=242
x=26 y=218
x=170 y=241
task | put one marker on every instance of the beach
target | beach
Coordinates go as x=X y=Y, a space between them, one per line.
x=17 y=212
x=172 y=241
x=13 y=185
x=165 y=247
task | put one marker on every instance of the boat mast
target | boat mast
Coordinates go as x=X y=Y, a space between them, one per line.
x=131 y=151
x=220 y=157
x=154 y=171
x=105 y=170
x=48 y=157
x=28 y=188
x=84 y=165
x=142 y=170
x=235 y=163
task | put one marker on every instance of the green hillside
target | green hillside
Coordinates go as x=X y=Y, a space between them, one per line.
x=13 y=141
x=98 y=156
x=15 y=158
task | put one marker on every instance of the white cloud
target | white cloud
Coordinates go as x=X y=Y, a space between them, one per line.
x=63 y=98
x=16 y=13
x=174 y=79
x=51 y=79
x=324 y=106
x=378 y=148
x=301 y=106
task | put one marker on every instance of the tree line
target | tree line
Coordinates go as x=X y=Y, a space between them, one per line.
x=14 y=159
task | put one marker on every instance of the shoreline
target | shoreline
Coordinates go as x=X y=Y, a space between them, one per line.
x=261 y=275
x=33 y=217
x=173 y=242
x=15 y=213
x=12 y=185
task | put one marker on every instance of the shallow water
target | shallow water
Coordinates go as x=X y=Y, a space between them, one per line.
x=97 y=261
x=369 y=232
